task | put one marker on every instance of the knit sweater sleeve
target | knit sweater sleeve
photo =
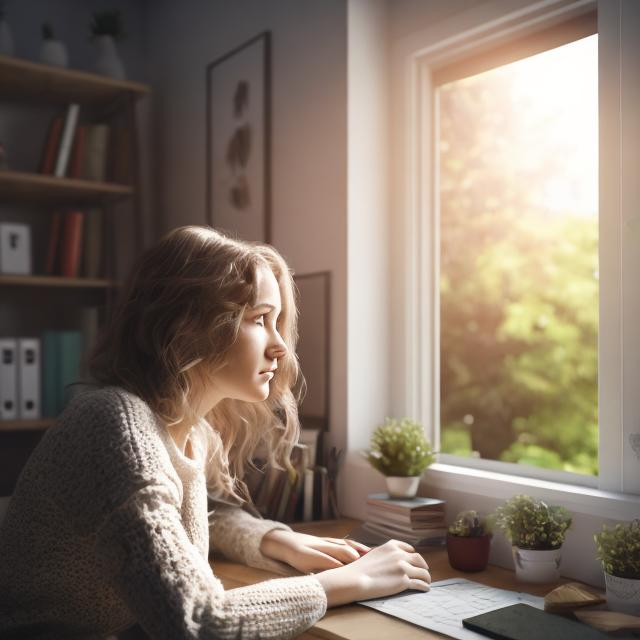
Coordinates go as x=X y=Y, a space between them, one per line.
x=172 y=591
x=237 y=535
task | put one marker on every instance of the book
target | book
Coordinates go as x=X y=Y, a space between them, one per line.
x=425 y=521
x=8 y=379
x=61 y=356
x=92 y=243
x=89 y=325
x=51 y=144
x=66 y=139
x=96 y=152
x=312 y=438
x=408 y=527
x=15 y=248
x=428 y=537
x=28 y=378
x=71 y=245
x=307 y=512
x=524 y=622
x=77 y=152
x=69 y=364
x=49 y=365
x=405 y=505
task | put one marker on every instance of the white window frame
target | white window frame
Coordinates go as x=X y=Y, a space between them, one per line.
x=615 y=492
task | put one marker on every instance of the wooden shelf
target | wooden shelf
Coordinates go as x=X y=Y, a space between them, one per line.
x=56 y=281
x=45 y=83
x=26 y=425
x=18 y=186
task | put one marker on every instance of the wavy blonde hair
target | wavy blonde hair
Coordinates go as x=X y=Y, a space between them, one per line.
x=178 y=316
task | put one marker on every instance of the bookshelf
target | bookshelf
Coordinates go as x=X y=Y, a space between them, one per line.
x=31 y=304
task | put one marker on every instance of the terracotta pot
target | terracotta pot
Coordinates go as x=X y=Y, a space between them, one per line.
x=468 y=553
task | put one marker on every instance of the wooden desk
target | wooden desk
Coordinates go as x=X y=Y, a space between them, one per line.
x=355 y=622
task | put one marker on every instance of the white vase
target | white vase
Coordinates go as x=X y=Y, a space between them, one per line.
x=402 y=487
x=6 y=39
x=54 y=52
x=108 y=62
x=623 y=594
x=540 y=566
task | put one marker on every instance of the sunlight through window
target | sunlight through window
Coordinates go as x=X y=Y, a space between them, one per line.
x=518 y=201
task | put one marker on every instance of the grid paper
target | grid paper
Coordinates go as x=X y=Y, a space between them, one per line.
x=450 y=601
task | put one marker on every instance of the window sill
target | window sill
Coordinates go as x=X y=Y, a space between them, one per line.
x=578 y=499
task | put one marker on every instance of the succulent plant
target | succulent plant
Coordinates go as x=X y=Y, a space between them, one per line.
x=470 y=524
x=400 y=448
x=108 y=23
x=533 y=524
x=619 y=549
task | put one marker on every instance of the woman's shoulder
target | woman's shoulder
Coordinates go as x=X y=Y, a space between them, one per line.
x=109 y=424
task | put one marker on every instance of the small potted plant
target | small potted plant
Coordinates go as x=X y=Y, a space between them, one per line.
x=107 y=27
x=619 y=551
x=469 y=541
x=536 y=531
x=401 y=452
x=52 y=51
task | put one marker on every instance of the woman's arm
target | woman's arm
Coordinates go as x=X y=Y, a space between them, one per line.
x=239 y=536
x=170 y=587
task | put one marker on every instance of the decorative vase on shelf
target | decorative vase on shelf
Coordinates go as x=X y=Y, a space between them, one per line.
x=402 y=487
x=109 y=62
x=54 y=52
x=6 y=39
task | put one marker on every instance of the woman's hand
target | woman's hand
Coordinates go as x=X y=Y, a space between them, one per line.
x=308 y=553
x=384 y=571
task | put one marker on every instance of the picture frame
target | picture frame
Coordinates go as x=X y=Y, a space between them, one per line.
x=238 y=130
x=314 y=347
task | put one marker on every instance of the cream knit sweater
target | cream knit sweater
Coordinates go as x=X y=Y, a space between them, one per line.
x=108 y=526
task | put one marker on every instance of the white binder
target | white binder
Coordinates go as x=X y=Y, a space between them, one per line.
x=29 y=378
x=15 y=248
x=8 y=379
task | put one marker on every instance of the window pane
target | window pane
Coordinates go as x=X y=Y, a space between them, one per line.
x=518 y=167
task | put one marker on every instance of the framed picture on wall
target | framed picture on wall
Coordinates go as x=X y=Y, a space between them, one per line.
x=314 y=296
x=238 y=140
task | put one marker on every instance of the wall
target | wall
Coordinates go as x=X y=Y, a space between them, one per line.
x=309 y=106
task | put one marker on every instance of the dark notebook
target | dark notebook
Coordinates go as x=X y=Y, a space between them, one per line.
x=524 y=622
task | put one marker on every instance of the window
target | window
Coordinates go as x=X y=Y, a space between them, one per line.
x=517 y=161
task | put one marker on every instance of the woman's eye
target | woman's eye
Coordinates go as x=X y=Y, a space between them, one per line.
x=260 y=321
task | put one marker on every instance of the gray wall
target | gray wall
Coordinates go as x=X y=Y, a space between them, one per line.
x=309 y=152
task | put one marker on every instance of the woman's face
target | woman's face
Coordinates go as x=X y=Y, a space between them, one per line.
x=253 y=357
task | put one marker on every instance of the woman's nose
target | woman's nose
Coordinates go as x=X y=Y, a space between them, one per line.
x=277 y=348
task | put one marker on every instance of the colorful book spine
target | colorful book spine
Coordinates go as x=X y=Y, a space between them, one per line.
x=51 y=146
x=71 y=244
x=77 y=152
x=66 y=140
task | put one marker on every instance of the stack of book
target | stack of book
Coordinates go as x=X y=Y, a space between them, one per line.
x=94 y=151
x=304 y=495
x=419 y=521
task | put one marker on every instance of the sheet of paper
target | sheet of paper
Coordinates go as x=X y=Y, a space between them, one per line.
x=450 y=601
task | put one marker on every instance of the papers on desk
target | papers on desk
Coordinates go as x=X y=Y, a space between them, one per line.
x=443 y=608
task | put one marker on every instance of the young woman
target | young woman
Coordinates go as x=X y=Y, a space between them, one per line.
x=108 y=524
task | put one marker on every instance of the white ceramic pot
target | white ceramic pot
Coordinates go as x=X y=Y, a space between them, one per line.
x=109 y=62
x=623 y=594
x=6 y=40
x=539 y=566
x=401 y=487
x=54 y=52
